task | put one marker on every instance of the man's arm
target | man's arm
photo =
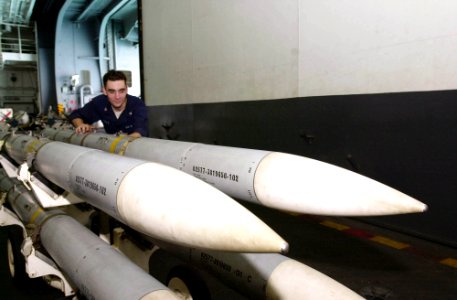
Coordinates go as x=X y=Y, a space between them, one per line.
x=140 y=115
x=84 y=116
x=80 y=126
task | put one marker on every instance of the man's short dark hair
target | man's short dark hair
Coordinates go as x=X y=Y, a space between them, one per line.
x=113 y=75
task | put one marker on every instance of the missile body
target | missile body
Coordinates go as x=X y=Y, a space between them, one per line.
x=98 y=270
x=263 y=275
x=154 y=199
x=278 y=180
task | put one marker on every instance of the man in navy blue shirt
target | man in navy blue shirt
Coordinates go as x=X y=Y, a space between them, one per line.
x=118 y=111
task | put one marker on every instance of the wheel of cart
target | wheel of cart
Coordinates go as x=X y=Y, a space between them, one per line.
x=16 y=260
x=187 y=283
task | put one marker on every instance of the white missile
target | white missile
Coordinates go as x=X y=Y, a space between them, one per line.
x=98 y=270
x=278 y=180
x=154 y=199
x=263 y=275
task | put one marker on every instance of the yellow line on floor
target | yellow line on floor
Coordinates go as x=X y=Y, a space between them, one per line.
x=389 y=242
x=449 y=262
x=334 y=225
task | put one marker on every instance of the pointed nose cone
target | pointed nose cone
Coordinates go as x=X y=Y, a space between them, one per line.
x=294 y=280
x=304 y=185
x=171 y=205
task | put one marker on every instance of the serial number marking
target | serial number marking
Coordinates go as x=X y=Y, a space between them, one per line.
x=215 y=173
x=211 y=261
x=91 y=185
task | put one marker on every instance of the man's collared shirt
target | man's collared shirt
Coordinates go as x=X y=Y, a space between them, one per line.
x=134 y=118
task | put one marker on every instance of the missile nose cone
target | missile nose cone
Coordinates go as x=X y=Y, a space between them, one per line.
x=305 y=185
x=171 y=205
x=294 y=280
x=285 y=248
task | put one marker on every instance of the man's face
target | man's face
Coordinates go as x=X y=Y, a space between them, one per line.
x=117 y=93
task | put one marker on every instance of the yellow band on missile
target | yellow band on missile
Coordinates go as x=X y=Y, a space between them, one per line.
x=112 y=148
x=35 y=215
x=32 y=146
x=124 y=146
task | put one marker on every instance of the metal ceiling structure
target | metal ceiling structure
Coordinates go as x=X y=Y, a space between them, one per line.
x=16 y=12
x=17 y=29
x=17 y=35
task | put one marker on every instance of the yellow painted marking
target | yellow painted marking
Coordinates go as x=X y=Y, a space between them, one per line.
x=449 y=262
x=334 y=225
x=124 y=146
x=113 y=145
x=35 y=215
x=389 y=242
x=32 y=146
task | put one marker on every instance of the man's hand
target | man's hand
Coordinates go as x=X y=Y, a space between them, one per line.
x=84 y=128
x=81 y=127
x=135 y=134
